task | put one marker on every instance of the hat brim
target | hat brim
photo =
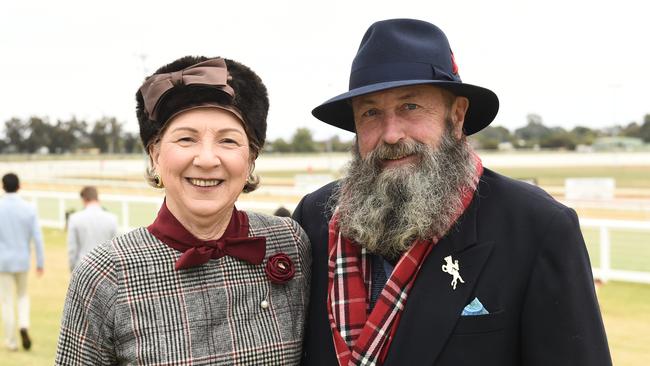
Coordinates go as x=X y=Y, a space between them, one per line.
x=483 y=103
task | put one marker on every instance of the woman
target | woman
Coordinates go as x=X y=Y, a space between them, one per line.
x=204 y=283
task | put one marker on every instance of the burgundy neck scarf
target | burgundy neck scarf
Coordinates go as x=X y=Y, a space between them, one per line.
x=234 y=242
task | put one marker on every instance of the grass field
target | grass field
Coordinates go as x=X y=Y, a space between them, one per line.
x=626 y=176
x=625 y=310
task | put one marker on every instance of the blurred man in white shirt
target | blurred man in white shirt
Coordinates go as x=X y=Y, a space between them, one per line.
x=89 y=227
x=18 y=228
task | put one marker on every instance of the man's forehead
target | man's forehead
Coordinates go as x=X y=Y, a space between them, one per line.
x=399 y=93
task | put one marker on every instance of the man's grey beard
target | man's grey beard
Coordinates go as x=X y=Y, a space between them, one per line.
x=385 y=210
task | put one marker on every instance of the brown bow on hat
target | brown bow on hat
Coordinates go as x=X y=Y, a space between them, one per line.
x=211 y=73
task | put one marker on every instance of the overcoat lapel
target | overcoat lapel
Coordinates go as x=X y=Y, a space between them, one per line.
x=433 y=306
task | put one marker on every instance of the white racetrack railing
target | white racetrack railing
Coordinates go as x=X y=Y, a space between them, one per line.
x=605 y=271
x=61 y=197
x=63 y=200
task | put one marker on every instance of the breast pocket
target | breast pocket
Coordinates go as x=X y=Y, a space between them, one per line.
x=479 y=340
x=487 y=323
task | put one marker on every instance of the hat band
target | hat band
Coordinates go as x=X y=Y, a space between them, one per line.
x=232 y=109
x=398 y=71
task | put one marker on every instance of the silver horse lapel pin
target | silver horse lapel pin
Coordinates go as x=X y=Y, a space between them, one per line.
x=453 y=269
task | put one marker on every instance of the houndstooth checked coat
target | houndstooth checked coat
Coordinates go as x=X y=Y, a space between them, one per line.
x=126 y=305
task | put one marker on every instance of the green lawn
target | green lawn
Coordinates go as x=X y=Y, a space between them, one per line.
x=626 y=176
x=625 y=309
x=47 y=296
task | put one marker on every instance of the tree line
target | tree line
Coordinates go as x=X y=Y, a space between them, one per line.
x=37 y=135
x=107 y=136
x=536 y=135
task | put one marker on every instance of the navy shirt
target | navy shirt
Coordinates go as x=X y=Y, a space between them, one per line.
x=381 y=269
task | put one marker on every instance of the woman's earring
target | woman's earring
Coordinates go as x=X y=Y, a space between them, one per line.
x=158 y=180
x=251 y=177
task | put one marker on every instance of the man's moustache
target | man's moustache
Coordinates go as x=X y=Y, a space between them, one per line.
x=394 y=151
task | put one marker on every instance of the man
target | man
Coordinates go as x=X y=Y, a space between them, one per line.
x=89 y=227
x=420 y=255
x=282 y=212
x=18 y=227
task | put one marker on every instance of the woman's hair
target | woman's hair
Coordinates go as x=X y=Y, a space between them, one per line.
x=250 y=99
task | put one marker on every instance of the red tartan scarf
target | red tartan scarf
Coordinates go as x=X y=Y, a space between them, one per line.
x=361 y=338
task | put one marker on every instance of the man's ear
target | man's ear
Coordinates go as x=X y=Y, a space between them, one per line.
x=458 y=111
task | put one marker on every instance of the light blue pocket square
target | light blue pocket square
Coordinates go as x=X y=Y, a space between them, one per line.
x=474 y=308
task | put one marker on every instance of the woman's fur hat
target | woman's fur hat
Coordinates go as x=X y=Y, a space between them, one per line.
x=251 y=99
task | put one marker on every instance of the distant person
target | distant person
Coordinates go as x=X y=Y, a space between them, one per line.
x=89 y=227
x=282 y=212
x=68 y=213
x=18 y=228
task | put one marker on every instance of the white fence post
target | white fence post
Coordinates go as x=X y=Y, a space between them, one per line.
x=607 y=270
x=62 y=211
x=605 y=254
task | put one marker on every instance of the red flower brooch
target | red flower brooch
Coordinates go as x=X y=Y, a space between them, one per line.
x=280 y=269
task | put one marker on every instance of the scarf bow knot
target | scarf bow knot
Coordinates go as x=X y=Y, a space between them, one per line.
x=249 y=249
x=234 y=242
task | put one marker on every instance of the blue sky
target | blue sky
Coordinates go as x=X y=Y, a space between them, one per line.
x=572 y=62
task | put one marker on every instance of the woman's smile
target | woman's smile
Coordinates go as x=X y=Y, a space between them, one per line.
x=200 y=182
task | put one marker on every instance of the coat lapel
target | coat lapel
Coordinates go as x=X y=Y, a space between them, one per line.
x=433 y=306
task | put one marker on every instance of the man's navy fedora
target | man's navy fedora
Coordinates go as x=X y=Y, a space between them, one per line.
x=401 y=52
